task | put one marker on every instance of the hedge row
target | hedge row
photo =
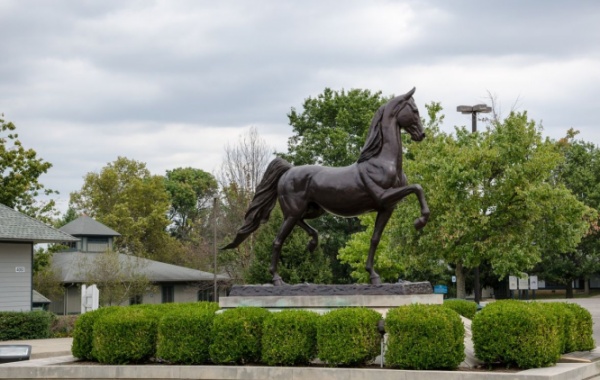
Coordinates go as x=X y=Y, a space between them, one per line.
x=16 y=325
x=463 y=307
x=530 y=335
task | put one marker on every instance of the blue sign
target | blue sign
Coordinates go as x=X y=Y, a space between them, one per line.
x=440 y=289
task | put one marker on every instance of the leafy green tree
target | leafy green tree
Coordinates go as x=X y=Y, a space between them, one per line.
x=579 y=172
x=489 y=193
x=330 y=130
x=20 y=170
x=298 y=265
x=127 y=198
x=192 y=192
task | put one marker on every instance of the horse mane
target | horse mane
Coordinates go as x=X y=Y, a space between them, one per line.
x=374 y=138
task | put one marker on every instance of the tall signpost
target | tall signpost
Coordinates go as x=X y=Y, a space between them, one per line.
x=474 y=110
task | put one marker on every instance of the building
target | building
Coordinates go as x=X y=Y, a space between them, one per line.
x=171 y=283
x=18 y=234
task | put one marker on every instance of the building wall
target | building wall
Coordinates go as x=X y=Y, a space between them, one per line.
x=15 y=276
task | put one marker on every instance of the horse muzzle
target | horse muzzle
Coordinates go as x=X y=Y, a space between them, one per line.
x=418 y=137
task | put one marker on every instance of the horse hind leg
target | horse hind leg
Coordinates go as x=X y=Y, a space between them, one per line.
x=314 y=241
x=284 y=231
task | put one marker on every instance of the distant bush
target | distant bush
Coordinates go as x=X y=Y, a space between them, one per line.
x=424 y=337
x=517 y=333
x=184 y=335
x=127 y=336
x=237 y=336
x=582 y=338
x=348 y=336
x=62 y=326
x=17 y=325
x=289 y=337
x=463 y=307
x=83 y=332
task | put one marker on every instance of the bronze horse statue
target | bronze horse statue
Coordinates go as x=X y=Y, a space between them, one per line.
x=375 y=182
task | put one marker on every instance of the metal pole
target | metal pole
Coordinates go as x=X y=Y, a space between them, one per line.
x=215 y=202
x=476 y=272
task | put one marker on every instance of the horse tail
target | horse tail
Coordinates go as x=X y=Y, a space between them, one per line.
x=263 y=202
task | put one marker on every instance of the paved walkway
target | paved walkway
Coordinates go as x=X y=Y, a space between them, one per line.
x=45 y=348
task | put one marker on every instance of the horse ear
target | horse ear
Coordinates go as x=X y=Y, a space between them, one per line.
x=410 y=93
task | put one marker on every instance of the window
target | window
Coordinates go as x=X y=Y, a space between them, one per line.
x=97 y=244
x=135 y=300
x=206 y=295
x=168 y=293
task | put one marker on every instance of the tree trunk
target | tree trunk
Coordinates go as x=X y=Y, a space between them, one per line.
x=570 y=289
x=586 y=286
x=461 y=292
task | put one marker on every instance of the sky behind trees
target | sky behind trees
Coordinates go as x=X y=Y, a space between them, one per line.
x=170 y=83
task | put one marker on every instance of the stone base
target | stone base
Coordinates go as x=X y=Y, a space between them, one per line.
x=400 y=288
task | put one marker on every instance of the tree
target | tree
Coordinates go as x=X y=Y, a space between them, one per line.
x=580 y=173
x=118 y=277
x=489 y=193
x=127 y=198
x=241 y=171
x=47 y=278
x=331 y=130
x=192 y=192
x=20 y=170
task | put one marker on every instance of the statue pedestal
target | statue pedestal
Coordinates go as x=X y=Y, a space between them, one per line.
x=322 y=298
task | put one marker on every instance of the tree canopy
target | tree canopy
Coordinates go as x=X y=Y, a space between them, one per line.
x=20 y=171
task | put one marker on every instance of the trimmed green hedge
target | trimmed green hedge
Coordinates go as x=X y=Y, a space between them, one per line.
x=289 y=338
x=237 y=336
x=128 y=336
x=424 y=337
x=465 y=308
x=348 y=336
x=83 y=333
x=16 y=325
x=582 y=338
x=184 y=336
x=516 y=333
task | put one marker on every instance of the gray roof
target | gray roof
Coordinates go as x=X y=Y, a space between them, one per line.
x=15 y=226
x=86 y=226
x=73 y=266
x=38 y=298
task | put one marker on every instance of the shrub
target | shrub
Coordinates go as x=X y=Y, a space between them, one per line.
x=62 y=326
x=237 y=335
x=424 y=337
x=566 y=323
x=127 y=336
x=83 y=332
x=348 y=336
x=582 y=333
x=289 y=337
x=463 y=307
x=516 y=333
x=184 y=335
x=17 y=325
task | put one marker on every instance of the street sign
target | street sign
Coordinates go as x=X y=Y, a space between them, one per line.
x=524 y=283
x=453 y=279
x=533 y=282
x=512 y=283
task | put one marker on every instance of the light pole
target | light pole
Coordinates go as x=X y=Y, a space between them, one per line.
x=474 y=110
x=215 y=203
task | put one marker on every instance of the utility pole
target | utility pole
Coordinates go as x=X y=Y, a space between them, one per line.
x=474 y=110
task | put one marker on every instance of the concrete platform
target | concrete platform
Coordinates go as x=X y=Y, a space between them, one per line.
x=45 y=348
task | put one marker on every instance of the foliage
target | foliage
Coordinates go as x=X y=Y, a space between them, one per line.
x=517 y=333
x=424 y=337
x=494 y=201
x=118 y=277
x=297 y=265
x=83 y=333
x=63 y=326
x=192 y=192
x=47 y=280
x=290 y=338
x=20 y=171
x=15 y=325
x=127 y=198
x=184 y=336
x=349 y=336
x=582 y=338
x=463 y=307
x=128 y=336
x=237 y=336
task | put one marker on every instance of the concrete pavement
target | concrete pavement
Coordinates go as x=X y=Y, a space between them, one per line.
x=45 y=348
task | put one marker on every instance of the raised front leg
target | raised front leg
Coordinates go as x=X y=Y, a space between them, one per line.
x=382 y=218
x=284 y=231
x=391 y=197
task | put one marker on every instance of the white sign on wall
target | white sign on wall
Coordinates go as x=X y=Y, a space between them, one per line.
x=19 y=269
x=533 y=282
x=512 y=283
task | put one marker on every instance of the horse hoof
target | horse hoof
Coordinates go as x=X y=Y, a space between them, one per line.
x=420 y=223
x=311 y=246
x=278 y=281
x=375 y=280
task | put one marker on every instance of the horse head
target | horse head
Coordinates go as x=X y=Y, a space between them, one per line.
x=404 y=111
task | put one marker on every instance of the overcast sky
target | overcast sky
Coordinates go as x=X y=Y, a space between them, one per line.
x=170 y=83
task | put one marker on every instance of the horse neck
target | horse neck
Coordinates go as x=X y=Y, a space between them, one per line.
x=391 y=150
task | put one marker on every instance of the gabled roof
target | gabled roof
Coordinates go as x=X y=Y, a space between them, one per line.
x=74 y=265
x=15 y=226
x=38 y=298
x=86 y=226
